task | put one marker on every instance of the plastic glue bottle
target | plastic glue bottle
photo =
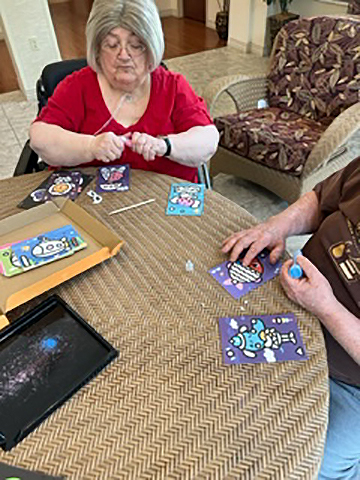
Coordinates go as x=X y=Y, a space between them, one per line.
x=295 y=270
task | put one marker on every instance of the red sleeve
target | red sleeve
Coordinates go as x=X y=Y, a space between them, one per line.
x=339 y=190
x=189 y=109
x=65 y=107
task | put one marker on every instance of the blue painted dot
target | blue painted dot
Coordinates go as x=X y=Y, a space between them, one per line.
x=49 y=343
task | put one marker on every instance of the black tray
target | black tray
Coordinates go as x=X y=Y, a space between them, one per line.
x=45 y=357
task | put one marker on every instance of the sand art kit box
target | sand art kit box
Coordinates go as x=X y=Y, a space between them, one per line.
x=101 y=244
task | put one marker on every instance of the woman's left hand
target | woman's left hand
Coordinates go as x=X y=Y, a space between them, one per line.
x=146 y=145
x=312 y=291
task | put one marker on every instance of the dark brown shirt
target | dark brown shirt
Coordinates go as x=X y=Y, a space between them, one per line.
x=335 y=250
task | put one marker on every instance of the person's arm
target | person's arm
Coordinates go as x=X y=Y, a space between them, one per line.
x=191 y=148
x=314 y=293
x=301 y=217
x=57 y=146
x=195 y=146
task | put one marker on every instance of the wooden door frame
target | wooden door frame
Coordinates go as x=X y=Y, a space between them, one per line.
x=180 y=10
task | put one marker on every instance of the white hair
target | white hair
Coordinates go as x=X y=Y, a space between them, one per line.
x=141 y=17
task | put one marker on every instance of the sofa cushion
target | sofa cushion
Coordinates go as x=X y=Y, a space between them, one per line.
x=274 y=137
x=315 y=67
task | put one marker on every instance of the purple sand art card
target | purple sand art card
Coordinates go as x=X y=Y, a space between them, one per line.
x=261 y=339
x=41 y=193
x=239 y=280
x=63 y=184
x=115 y=178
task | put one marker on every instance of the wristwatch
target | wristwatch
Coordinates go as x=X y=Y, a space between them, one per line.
x=168 y=146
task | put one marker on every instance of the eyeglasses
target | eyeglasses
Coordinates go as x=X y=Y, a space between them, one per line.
x=132 y=49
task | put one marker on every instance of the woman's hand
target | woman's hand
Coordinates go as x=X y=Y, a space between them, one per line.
x=270 y=234
x=146 y=145
x=312 y=291
x=108 y=147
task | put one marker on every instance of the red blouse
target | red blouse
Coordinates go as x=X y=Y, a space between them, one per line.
x=77 y=105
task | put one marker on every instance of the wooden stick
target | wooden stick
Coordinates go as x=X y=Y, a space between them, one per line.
x=132 y=206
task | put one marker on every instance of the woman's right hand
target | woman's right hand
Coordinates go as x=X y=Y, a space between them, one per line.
x=107 y=146
x=271 y=235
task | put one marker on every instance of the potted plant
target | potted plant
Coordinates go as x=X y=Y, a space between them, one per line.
x=284 y=4
x=222 y=19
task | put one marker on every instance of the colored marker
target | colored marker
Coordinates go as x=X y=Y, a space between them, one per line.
x=295 y=270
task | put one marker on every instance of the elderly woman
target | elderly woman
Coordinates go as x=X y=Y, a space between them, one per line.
x=330 y=289
x=124 y=107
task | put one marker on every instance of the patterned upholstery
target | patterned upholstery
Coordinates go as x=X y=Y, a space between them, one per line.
x=277 y=137
x=354 y=7
x=314 y=75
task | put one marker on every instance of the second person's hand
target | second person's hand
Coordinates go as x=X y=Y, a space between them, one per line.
x=269 y=235
x=312 y=291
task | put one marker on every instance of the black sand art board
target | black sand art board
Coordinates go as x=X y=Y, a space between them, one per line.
x=45 y=357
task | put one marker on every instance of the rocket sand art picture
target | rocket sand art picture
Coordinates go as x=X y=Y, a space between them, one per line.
x=261 y=339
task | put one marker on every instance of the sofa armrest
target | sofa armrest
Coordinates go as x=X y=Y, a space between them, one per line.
x=336 y=135
x=243 y=90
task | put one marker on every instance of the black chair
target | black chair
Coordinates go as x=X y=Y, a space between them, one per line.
x=51 y=75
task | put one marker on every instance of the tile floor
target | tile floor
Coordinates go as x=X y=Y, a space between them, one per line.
x=16 y=115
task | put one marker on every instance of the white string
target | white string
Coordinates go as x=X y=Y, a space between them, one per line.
x=121 y=101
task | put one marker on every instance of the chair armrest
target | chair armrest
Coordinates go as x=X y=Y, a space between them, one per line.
x=244 y=91
x=28 y=161
x=337 y=133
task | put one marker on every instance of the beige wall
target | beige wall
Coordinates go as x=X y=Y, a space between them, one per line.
x=167 y=8
x=247 y=23
x=212 y=8
x=30 y=38
x=310 y=8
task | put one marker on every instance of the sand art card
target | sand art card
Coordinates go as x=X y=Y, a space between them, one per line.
x=60 y=186
x=63 y=184
x=186 y=199
x=238 y=280
x=261 y=339
x=9 y=263
x=115 y=178
x=47 y=247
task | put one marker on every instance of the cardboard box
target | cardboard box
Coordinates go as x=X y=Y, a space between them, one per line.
x=102 y=244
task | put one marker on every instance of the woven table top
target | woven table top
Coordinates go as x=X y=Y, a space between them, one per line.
x=167 y=407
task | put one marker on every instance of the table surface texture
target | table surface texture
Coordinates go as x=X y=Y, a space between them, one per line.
x=168 y=407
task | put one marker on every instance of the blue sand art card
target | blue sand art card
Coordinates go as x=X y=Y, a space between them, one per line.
x=261 y=339
x=48 y=247
x=115 y=178
x=238 y=280
x=186 y=199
